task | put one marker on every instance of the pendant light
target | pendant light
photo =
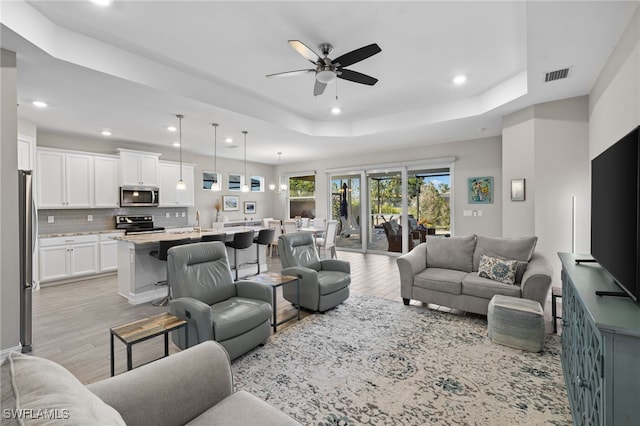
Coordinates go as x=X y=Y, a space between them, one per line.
x=245 y=187
x=281 y=187
x=215 y=186
x=181 y=185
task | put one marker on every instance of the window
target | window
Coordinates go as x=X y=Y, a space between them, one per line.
x=302 y=196
x=257 y=184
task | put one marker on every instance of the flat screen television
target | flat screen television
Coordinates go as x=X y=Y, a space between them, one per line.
x=615 y=212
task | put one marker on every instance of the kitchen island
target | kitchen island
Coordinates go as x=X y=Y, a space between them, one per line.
x=138 y=271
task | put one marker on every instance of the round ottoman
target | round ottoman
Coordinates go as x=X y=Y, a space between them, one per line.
x=516 y=322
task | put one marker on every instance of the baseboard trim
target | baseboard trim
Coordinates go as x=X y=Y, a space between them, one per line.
x=5 y=352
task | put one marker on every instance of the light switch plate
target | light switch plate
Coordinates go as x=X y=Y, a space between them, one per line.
x=49 y=219
x=183 y=214
x=167 y=215
x=89 y=218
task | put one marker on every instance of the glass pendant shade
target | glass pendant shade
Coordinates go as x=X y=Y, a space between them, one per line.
x=245 y=187
x=215 y=186
x=181 y=185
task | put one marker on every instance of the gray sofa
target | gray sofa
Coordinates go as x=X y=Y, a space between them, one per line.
x=445 y=271
x=193 y=387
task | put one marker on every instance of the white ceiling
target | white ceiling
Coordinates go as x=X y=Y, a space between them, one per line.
x=132 y=66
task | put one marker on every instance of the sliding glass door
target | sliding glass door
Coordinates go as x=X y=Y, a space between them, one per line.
x=346 y=209
x=386 y=204
x=428 y=195
x=390 y=210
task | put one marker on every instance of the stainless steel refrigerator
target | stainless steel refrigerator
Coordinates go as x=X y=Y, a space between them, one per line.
x=27 y=224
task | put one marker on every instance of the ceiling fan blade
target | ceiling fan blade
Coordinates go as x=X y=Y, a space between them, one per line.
x=290 y=73
x=357 y=55
x=318 y=88
x=356 y=77
x=305 y=51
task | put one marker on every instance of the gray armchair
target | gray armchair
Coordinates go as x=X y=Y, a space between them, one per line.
x=237 y=315
x=323 y=283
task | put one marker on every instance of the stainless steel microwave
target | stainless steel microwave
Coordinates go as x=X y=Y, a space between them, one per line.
x=139 y=196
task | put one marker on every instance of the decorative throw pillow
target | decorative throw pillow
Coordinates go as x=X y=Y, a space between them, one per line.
x=41 y=392
x=497 y=269
x=521 y=266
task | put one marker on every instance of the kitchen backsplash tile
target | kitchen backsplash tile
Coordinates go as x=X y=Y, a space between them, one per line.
x=76 y=220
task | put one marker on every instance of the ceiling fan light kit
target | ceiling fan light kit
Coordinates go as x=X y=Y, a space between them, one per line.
x=327 y=70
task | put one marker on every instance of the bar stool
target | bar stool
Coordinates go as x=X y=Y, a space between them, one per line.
x=264 y=238
x=241 y=241
x=213 y=237
x=161 y=254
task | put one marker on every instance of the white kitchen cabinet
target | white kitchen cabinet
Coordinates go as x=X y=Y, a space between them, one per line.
x=138 y=168
x=26 y=148
x=64 y=179
x=169 y=175
x=109 y=252
x=67 y=257
x=106 y=187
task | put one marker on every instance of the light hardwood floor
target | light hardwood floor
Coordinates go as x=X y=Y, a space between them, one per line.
x=71 y=321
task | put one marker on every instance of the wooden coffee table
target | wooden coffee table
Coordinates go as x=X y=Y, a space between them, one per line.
x=144 y=329
x=276 y=280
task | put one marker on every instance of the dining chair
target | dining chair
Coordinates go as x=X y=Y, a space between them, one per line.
x=275 y=224
x=289 y=226
x=329 y=239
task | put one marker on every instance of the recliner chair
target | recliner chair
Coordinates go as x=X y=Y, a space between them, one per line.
x=324 y=284
x=235 y=314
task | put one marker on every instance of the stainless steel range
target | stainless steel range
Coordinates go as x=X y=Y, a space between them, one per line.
x=137 y=224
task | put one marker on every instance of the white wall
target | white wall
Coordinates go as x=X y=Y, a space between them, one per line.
x=562 y=172
x=9 y=257
x=614 y=101
x=518 y=153
x=479 y=157
x=547 y=144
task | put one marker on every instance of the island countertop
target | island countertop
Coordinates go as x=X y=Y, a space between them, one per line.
x=155 y=237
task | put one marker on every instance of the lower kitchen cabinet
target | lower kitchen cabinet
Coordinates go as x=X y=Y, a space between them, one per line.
x=108 y=252
x=67 y=257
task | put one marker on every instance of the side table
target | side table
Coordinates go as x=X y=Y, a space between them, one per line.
x=556 y=292
x=144 y=329
x=276 y=280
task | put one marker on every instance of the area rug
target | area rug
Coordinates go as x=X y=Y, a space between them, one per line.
x=378 y=362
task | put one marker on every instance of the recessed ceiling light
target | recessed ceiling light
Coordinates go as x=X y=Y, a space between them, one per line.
x=176 y=144
x=172 y=128
x=105 y=133
x=40 y=104
x=228 y=140
x=459 y=79
x=103 y=3
x=336 y=110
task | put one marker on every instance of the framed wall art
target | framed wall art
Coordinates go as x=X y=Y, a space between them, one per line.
x=249 y=207
x=230 y=203
x=480 y=190
x=517 y=190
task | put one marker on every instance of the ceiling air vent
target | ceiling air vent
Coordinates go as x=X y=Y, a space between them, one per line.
x=556 y=75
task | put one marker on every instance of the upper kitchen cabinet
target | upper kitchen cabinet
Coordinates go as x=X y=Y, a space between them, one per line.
x=26 y=149
x=106 y=188
x=64 y=179
x=169 y=175
x=138 y=168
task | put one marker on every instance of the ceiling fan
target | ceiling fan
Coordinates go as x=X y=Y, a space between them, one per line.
x=327 y=69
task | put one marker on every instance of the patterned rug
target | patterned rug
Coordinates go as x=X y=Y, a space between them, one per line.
x=378 y=362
